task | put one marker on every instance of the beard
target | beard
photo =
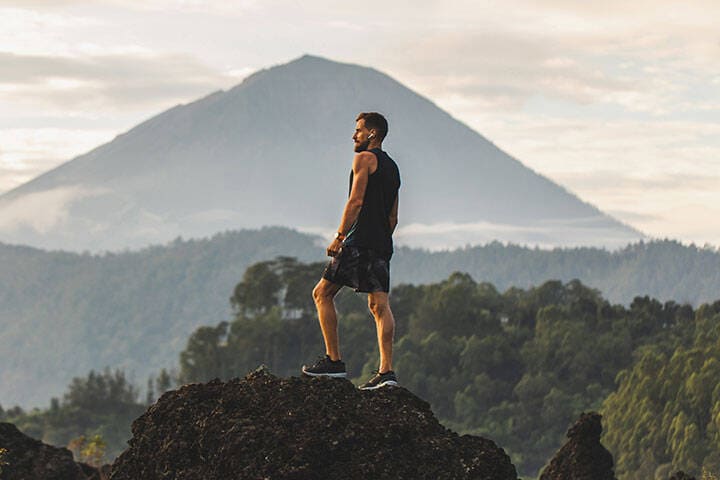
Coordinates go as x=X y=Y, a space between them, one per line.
x=363 y=146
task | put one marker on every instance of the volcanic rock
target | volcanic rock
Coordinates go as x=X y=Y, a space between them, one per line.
x=582 y=457
x=30 y=459
x=680 y=475
x=265 y=427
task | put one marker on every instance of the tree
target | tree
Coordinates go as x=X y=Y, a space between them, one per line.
x=258 y=291
x=204 y=356
x=666 y=409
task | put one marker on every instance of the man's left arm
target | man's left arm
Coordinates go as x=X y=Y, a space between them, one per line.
x=361 y=172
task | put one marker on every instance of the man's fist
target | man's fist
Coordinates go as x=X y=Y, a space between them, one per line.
x=334 y=249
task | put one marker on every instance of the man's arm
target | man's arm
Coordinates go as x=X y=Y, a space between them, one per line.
x=361 y=171
x=393 y=219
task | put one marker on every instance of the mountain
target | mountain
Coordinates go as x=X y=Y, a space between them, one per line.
x=276 y=150
x=64 y=313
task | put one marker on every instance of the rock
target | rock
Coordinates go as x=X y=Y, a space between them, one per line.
x=265 y=427
x=92 y=473
x=582 y=457
x=680 y=475
x=30 y=459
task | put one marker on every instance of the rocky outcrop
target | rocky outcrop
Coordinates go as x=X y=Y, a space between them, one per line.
x=265 y=427
x=30 y=459
x=582 y=457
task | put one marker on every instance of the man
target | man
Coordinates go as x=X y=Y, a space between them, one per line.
x=361 y=251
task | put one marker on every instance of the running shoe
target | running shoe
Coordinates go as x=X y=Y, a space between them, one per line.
x=324 y=367
x=379 y=380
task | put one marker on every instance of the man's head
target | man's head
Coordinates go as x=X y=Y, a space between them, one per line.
x=370 y=130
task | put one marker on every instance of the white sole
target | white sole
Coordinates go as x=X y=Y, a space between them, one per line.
x=383 y=384
x=331 y=375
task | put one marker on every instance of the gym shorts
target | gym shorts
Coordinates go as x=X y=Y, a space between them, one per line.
x=362 y=269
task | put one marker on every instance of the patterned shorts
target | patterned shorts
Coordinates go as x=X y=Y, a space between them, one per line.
x=360 y=268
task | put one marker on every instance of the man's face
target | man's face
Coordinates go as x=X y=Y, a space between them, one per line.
x=361 y=136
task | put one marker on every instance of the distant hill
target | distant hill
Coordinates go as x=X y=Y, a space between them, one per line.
x=276 y=150
x=62 y=313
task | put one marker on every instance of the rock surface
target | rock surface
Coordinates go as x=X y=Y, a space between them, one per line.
x=680 y=475
x=265 y=427
x=30 y=459
x=582 y=457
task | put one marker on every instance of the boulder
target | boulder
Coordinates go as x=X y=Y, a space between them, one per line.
x=582 y=457
x=265 y=427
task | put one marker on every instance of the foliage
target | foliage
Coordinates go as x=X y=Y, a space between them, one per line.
x=130 y=308
x=666 y=409
x=90 y=451
x=517 y=367
x=3 y=462
x=137 y=308
x=93 y=418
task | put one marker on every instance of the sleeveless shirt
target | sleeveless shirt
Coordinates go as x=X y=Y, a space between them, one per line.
x=372 y=227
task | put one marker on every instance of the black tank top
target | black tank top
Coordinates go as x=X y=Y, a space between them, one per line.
x=372 y=227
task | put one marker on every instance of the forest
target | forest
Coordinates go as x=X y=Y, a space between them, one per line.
x=517 y=366
x=134 y=310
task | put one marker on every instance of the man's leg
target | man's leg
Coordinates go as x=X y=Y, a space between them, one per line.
x=324 y=295
x=385 y=324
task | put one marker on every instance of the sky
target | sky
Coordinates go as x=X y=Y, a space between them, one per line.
x=617 y=101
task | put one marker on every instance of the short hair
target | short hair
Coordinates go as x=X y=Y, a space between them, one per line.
x=374 y=120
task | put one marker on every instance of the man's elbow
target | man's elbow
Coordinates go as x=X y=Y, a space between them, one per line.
x=355 y=204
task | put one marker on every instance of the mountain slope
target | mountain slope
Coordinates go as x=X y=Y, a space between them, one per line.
x=276 y=150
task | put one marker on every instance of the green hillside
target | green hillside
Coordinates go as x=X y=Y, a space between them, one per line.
x=63 y=314
x=516 y=366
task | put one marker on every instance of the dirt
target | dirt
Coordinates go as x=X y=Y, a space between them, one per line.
x=582 y=457
x=30 y=459
x=270 y=428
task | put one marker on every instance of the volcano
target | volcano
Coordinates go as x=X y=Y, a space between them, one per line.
x=276 y=150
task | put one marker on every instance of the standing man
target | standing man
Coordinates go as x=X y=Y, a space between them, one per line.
x=361 y=251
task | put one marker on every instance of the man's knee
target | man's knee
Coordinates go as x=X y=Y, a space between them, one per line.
x=378 y=306
x=323 y=291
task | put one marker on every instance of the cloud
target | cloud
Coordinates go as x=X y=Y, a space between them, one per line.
x=602 y=180
x=443 y=236
x=120 y=81
x=627 y=55
x=447 y=235
x=500 y=64
x=41 y=211
x=191 y=6
x=27 y=152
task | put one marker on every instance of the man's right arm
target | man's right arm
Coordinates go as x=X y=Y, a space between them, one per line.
x=393 y=219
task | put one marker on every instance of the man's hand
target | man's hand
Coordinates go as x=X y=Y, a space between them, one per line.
x=334 y=249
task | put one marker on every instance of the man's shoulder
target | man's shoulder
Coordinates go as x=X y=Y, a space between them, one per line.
x=365 y=155
x=365 y=159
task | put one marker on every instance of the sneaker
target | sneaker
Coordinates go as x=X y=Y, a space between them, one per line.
x=380 y=380
x=325 y=367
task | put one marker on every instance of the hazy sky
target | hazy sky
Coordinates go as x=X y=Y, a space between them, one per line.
x=618 y=101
